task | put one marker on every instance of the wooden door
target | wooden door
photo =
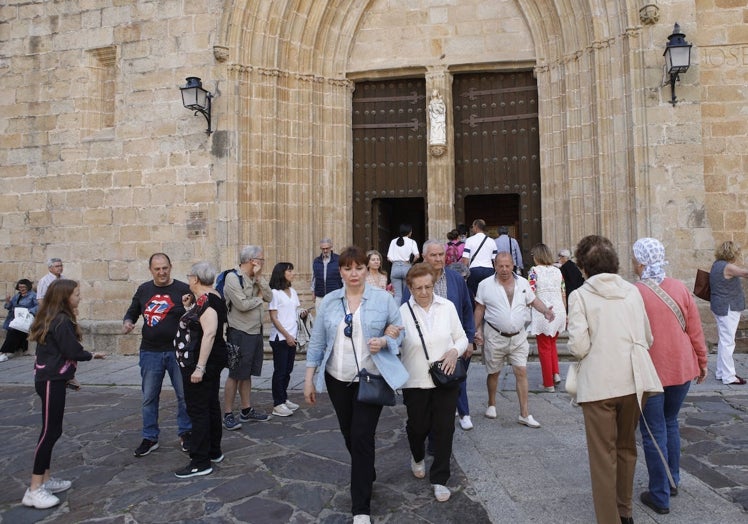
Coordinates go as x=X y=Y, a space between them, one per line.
x=389 y=160
x=497 y=164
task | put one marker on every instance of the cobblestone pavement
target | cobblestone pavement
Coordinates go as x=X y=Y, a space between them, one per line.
x=296 y=469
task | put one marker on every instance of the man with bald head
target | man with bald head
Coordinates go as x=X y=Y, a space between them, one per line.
x=500 y=315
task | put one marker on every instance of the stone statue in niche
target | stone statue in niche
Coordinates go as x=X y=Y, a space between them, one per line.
x=437 y=123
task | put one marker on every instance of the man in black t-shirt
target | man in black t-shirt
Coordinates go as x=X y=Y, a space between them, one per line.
x=159 y=301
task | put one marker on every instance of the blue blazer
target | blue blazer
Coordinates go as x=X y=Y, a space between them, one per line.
x=459 y=295
x=378 y=310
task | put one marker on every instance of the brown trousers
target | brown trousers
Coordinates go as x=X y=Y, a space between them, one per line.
x=610 y=426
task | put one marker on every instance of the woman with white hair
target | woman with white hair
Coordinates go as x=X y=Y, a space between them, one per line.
x=201 y=354
x=679 y=355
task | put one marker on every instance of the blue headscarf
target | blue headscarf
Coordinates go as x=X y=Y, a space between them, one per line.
x=650 y=253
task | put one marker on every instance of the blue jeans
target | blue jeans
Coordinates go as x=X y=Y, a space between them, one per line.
x=661 y=412
x=462 y=401
x=153 y=366
x=397 y=277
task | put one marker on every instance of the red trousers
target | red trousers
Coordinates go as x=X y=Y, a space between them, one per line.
x=548 y=356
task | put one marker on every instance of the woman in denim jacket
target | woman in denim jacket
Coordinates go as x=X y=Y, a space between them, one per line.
x=366 y=320
x=17 y=340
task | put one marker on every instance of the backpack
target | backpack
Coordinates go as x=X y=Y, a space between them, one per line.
x=221 y=281
x=452 y=254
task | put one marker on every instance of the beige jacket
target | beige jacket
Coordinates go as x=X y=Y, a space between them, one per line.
x=245 y=301
x=609 y=333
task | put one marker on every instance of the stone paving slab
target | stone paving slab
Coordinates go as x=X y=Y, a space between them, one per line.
x=296 y=469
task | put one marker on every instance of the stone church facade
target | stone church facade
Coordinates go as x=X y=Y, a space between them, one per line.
x=102 y=166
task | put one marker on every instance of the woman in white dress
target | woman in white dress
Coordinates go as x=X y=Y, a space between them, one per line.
x=547 y=283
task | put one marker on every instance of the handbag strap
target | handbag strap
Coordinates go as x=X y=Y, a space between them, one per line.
x=355 y=357
x=667 y=299
x=418 y=327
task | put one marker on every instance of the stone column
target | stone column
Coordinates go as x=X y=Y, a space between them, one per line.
x=440 y=193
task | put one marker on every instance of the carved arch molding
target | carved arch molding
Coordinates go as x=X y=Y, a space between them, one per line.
x=289 y=111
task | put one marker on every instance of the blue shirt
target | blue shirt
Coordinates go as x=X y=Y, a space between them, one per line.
x=378 y=310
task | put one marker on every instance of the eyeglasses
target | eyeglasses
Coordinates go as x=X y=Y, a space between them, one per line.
x=189 y=275
x=260 y=259
x=348 y=331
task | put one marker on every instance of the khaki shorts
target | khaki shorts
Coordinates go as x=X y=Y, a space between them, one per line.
x=499 y=350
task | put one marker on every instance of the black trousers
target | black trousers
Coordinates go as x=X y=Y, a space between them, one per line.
x=431 y=412
x=477 y=275
x=358 y=424
x=52 y=393
x=204 y=410
x=15 y=341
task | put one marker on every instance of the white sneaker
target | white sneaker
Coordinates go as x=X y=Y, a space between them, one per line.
x=3 y=357
x=528 y=421
x=418 y=468
x=491 y=412
x=54 y=485
x=292 y=405
x=466 y=423
x=549 y=389
x=441 y=493
x=556 y=378
x=361 y=519
x=39 y=498
x=281 y=410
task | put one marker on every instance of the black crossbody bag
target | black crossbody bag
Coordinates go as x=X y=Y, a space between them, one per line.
x=440 y=378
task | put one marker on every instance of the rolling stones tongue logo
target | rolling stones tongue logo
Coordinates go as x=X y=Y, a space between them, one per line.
x=157 y=309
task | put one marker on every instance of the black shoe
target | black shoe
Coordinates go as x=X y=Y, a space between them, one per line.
x=192 y=471
x=146 y=447
x=627 y=520
x=216 y=459
x=184 y=441
x=674 y=492
x=646 y=499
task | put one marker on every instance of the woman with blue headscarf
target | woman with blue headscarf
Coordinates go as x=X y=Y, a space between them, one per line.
x=679 y=356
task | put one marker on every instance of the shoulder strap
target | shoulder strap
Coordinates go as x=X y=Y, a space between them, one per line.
x=418 y=327
x=667 y=299
x=476 y=251
x=355 y=357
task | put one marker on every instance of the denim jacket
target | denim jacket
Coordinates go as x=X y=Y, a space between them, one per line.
x=29 y=302
x=378 y=310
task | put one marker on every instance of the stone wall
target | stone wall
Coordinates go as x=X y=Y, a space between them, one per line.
x=102 y=166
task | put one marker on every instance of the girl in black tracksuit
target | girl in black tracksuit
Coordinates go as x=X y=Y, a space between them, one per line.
x=58 y=351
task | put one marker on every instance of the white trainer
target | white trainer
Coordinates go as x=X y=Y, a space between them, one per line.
x=39 y=498
x=466 y=423
x=292 y=405
x=54 y=485
x=556 y=378
x=528 y=421
x=441 y=493
x=361 y=519
x=418 y=468
x=3 y=357
x=491 y=412
x=281 y=410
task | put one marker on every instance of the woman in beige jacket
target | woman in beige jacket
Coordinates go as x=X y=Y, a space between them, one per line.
x=609 y=333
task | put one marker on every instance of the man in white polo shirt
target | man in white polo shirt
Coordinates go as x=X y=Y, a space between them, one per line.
x=478 y=255
x=501 y=309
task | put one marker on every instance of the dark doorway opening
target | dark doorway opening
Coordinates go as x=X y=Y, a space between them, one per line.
x=497 y=210
x=387 y=215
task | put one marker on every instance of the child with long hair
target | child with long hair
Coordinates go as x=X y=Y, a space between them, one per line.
x=284 y=309
x=58 y=337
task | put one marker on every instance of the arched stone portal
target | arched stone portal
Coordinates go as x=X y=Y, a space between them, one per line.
x=289 y=79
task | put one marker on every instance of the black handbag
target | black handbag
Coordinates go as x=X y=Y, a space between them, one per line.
x=372 y=389
x=440 y=378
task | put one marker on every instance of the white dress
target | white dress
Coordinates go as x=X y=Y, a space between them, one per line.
x=548 y=285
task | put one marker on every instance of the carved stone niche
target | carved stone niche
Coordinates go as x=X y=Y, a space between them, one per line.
x=649 y=14
x=221 y=53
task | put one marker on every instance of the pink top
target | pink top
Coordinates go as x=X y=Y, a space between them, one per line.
x=677 y=355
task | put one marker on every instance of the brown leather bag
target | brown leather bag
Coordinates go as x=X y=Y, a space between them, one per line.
x=701 y=287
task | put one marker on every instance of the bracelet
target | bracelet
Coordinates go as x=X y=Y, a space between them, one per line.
x=200 y=368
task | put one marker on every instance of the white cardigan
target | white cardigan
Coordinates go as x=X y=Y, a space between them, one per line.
x=446 y=333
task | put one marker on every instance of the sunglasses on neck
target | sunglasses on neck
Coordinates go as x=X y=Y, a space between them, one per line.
x=348 y=330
